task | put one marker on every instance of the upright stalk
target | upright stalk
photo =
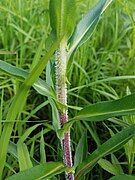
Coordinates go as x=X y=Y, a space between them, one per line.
x=61 y=90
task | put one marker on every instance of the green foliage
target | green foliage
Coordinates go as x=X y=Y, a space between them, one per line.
x=23 y=157
x=40 y=86
x=81 y=150
x=46 y=171
x=99 y=74
x=16 y=107
x=106 y=165
x=111 y=145
x=105 y=110
x=42 y=149
x=123 y=177
x=86 y=26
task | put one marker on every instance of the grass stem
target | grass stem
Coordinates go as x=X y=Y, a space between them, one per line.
x=61 y=90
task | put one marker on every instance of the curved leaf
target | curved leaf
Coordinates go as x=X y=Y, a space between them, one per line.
x=102 y=111
x=108 y=166
x=105 y=110
x=46 y=170
x=81 y=150
x=40 y=86
x=111 y=145
x=86 y=26
x=12 y=149
x=123 y=177
x=117 y=164
x=62 y=17
x=24 y=157
x=27 y=133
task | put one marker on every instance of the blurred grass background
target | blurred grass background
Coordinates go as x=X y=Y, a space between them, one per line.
x=110 y=52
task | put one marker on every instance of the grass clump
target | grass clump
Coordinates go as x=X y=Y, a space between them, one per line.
x=34 y=127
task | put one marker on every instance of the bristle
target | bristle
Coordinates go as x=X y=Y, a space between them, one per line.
x=61 y=87
x=61 y=90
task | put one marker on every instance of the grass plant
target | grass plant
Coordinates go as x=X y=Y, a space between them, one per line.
x=58 y=85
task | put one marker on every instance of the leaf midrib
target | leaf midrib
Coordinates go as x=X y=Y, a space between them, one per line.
x=105 y=113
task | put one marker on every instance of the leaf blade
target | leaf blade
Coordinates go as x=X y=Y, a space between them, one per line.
x=40 y=86
x=111 y=145
x=81 y=150
x=123 y=177
x=86 y=26
x=23 y=157
x=46 y=170
x=107 y=166
x=103 y=110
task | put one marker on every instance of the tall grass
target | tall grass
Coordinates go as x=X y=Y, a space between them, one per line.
x=109 y=53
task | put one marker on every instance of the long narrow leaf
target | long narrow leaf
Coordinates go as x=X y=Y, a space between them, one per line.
x=111 y=145
x=23 y=157
x=42 y=171
x=42 y=149
x=55 y=113
x=81 y=150
x=40 y=86
x=123 y=177
x=102 y=111
x=86 y=26
x=12 y=149
x=27 y=133
x=105 y=110
x=108 y=166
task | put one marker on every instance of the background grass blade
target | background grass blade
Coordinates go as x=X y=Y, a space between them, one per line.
x=81 y=150
x=108 y=166
x=23 y=157
x=42 y=149
x=111 y=145
x=12 y=149
x=27 y=133
x=45 y=171
x=18 y=103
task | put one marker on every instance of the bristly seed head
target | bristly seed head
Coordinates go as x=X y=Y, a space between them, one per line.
x=61 y=91
x=60 y=66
